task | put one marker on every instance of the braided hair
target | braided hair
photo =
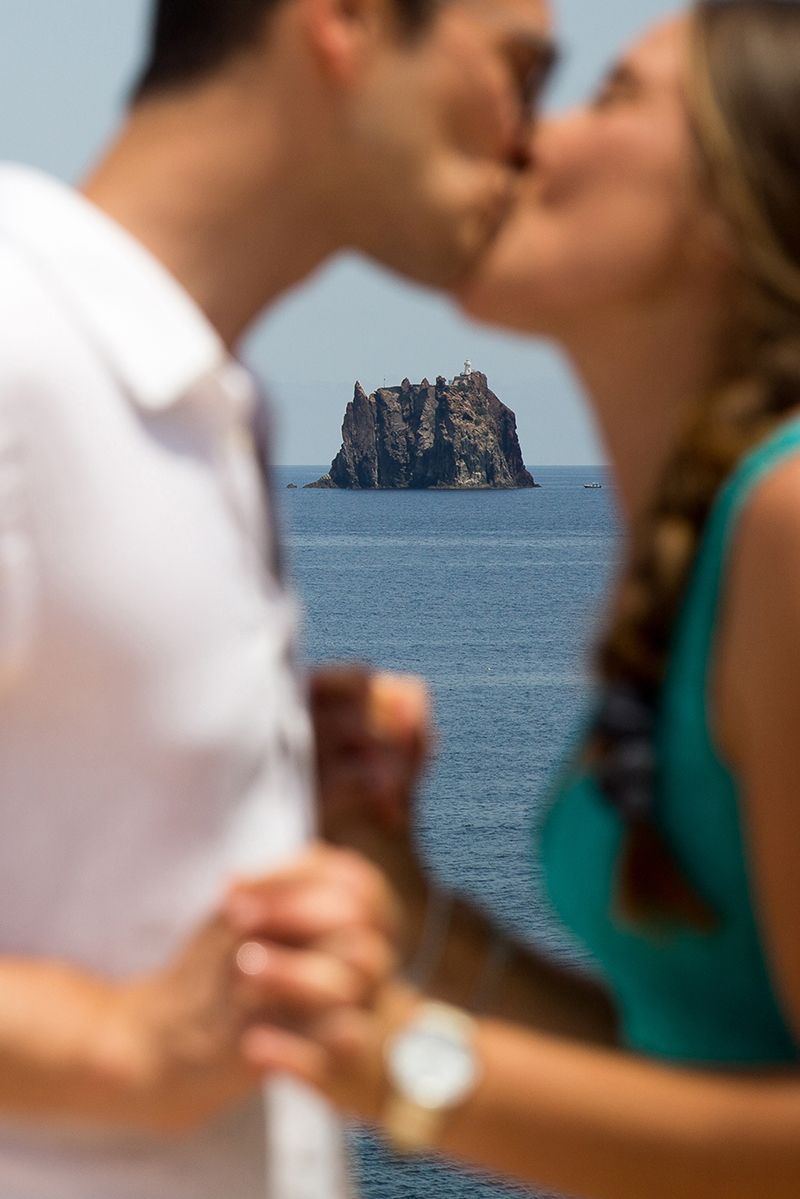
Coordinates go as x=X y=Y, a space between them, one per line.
x=745 y=100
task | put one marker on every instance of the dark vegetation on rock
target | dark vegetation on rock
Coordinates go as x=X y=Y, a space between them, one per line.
x=445 y=435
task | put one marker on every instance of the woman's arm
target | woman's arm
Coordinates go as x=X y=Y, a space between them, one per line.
x=373 y=733
x=527 y=987
x=604 y=1124
x=573 y=1118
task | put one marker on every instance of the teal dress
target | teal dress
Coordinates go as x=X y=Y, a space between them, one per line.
x=689 y=996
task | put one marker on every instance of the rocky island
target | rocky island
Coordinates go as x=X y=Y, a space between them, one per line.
x=451 y=434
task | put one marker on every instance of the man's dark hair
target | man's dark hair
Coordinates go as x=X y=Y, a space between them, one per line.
x=191 y=39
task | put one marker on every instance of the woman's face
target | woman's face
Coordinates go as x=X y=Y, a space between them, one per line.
x=611 y=213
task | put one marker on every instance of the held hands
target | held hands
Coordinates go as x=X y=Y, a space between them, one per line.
x=349 y=995
x=316 y=963
x=291 y=950
x=293 y=972
x=374 y=738
x=318 y=945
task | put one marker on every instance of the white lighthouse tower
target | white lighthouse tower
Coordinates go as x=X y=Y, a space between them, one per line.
x=468 y=367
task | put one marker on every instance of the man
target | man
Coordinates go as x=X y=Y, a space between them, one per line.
x=153 y=741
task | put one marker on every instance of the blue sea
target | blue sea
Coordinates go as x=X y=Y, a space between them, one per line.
x=492 y=596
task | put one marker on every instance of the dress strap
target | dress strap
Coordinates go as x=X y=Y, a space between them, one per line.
x=693 y=642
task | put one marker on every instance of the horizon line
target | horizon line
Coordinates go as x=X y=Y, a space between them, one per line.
x=528 y=465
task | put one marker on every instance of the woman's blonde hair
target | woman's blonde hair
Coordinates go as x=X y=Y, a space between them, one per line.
x=744 y=103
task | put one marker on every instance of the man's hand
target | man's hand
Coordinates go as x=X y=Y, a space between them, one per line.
x=374 y=738
x=290 y=949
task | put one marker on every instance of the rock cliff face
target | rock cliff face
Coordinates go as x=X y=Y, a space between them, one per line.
x=428 y=435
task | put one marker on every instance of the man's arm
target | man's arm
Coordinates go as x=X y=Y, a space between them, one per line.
x=76 y=1046
x=162 y=1052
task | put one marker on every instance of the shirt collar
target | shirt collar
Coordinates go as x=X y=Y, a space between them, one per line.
x=155 y=338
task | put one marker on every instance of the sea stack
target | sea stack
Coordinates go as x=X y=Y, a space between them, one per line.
x=451 y=434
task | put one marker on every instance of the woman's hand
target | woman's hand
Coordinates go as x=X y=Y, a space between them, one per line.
x=291 y=949
x=342 y=1056
x=374 y=738
x=343 y=994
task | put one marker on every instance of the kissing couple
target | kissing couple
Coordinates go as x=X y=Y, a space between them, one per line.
x=164 y=949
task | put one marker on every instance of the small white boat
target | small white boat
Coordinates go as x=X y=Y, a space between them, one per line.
x=593 y=486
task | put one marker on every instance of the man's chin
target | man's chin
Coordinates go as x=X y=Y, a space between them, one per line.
x=473 y=205
x=479 y=293
x=453 y=249
x=476 y=254
x=469 y=297
x=444 y=268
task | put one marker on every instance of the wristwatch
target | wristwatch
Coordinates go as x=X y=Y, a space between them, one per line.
x=432 y=1066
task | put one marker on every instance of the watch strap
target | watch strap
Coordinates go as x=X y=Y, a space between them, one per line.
x=410 y=1127
x=413 y=1126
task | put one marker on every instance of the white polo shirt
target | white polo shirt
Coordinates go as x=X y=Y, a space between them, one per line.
x=153 y=737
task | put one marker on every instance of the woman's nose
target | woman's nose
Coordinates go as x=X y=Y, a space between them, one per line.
x=528 y=150
x=522 y=151
x=549 y=139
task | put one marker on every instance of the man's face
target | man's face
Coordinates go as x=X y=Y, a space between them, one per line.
x=442 y=123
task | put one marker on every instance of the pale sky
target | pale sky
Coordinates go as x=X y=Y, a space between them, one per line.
x=64 y=69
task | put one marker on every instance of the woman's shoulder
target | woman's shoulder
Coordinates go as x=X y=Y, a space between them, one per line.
x=758 y=640
x=765 y=541
x=766 y=470
x=758 y=700
x=759 y=502
x=759 y=616
x=740 y=622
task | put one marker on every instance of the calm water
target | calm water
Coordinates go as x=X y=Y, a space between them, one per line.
x=492 y=596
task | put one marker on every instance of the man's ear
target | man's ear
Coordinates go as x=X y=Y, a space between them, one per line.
x=343 y=34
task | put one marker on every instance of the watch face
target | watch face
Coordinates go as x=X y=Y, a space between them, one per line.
x=433 y=1063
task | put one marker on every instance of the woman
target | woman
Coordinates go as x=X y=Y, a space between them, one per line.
x=659 y=243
